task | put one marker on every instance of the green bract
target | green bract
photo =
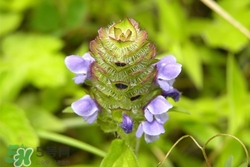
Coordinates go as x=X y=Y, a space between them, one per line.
x=123 y=72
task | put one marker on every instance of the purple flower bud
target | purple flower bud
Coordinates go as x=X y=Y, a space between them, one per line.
x=152 y=130
x=80 y=66
x=167 y=71
x=87 y=108
x=157 y=109
x=127 y=124
x=173 y=93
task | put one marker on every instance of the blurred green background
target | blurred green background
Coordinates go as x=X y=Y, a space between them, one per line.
x=35 y=86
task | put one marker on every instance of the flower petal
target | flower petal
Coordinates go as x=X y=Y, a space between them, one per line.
x=159 y=105
x=169 y=71
x=162 y=118
x=164 y=84
x=88 y=57
x=90 y=119
x=80 y=78
x=139 y=131
x=148 y=115
x=150 y=138
x=76 y=64
x=166 y=60
x=152 y=128
x=85 y=107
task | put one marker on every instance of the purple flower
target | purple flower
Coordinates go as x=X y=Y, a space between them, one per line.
x=167 y=71
x=127 y=124
x=152 y=130
x=173 y=93
x=157 y=109
x=87 y=108
x=80 y=66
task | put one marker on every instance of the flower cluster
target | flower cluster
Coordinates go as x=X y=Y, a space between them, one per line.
x=156 y=111
x=126 y=85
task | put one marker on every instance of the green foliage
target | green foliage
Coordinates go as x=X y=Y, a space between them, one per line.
x=229 y=162
x=15 y=127
x=35 y=85
x=120 y=154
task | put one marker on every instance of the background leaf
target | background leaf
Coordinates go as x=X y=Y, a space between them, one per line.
x=119 y=155
x=15 y=127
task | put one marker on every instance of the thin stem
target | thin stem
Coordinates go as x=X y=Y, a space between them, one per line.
x=198 y=145
x=228 y=135
x=216 y=8
x=70 y=141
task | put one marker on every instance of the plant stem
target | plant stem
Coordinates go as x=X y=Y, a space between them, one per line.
x=198 y=145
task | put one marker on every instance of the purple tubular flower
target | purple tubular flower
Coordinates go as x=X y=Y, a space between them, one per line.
x=127 y=124
x=168 y=70
x=87 y=108
x=152 y=130
x=157 y=109
x=80 y=66
x=173 y=93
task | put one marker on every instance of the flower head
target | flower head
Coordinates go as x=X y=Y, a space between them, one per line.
x=127 y=123
x=80 y=66
x=87 y=108
x=152 y=130
x=168 y=70
x=157 y=109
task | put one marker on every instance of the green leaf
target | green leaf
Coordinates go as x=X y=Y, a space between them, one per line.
x=219 y=37
x=75 y=13
x=120 y=155
x=179 y=110
x=68 y=110
x=38 y=56
x=45 y=17
x=9 y=22
x=15 y=127
x=11 y=82
x=188 y=55
x=16 y=5
x=243 y=164
x=39 y=118
x=71 y=142
x=237 y=94
x=229 y=162
x=171 y=18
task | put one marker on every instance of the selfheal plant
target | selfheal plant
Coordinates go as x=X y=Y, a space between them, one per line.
x=128 y=85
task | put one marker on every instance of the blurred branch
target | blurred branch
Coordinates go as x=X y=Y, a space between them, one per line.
x=216 y=8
